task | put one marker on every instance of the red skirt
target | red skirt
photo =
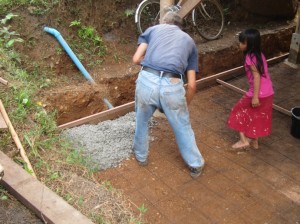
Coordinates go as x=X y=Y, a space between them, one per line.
x=254 y=122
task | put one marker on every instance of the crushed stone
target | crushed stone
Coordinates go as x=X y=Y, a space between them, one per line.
x=107 y=143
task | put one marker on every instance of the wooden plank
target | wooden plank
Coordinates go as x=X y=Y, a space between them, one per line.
x=187 y=7
x=102 y=116
x=3 y=124
x=163 y=5
x=210 y=80
x=236 y=89
x=3 y=81
x=37 y=197
x=129 y=107
x=16 y=138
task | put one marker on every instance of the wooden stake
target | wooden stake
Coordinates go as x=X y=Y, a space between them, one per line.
x=187 y=7
x=16 y=138
x=3 y=81
x=164 y=4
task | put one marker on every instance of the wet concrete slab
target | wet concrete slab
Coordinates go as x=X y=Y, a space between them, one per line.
x=248 y=186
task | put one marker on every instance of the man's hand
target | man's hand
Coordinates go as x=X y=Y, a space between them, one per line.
x=191 y=86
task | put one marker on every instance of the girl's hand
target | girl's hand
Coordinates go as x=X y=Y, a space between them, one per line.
x=255 y=102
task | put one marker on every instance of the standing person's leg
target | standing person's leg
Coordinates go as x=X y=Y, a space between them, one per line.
x=242 y=143
x=254 y=143
x=144 y=109
x=175 y=107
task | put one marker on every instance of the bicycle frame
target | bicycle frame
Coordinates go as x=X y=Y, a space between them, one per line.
x=138 y=9
x=207 y=15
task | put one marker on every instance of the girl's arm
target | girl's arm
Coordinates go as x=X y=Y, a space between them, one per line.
x=256 y=86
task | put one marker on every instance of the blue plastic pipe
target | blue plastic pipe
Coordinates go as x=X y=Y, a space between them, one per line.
x=109 y=105
x=69 y=51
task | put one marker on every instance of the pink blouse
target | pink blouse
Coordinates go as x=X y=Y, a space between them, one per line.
x=266 y=88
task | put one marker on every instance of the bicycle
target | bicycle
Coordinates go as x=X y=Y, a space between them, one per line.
x=207 y=17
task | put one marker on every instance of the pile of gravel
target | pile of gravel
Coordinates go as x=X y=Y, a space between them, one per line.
x=108 y=143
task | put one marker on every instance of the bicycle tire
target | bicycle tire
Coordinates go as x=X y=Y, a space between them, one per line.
x=147 y=14
x=208 y=19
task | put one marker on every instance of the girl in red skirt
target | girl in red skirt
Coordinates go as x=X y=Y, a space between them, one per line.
x=252 y=115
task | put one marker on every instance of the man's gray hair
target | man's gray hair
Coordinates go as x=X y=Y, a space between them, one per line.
x=172 y=18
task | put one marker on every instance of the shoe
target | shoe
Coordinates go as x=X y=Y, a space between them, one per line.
x=145 y=163
x=195 y=172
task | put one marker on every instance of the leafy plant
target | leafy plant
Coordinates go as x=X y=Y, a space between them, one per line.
x=90 y=38
x=75 y=23
x=129 y=12
x=7 y=18
x=6 y=36
x=142 y=209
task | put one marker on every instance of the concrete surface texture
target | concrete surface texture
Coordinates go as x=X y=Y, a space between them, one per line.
x=249 y=186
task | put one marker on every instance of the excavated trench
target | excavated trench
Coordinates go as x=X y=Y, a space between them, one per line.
x=75 y=102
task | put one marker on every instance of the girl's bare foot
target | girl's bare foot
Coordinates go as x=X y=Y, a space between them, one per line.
x=240 y=145
x=254 y=143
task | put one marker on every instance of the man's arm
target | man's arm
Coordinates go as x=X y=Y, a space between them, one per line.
x=139 y=54
x=191 y=85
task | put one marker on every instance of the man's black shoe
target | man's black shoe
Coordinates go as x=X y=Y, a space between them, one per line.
x=195 y=172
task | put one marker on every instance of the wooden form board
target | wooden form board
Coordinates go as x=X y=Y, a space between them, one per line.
x=210 y=80
x=129 y=107
x=275 y=107
x=37 y=197
x=102 y=116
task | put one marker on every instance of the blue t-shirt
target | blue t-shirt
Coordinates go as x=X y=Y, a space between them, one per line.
x=169 y=49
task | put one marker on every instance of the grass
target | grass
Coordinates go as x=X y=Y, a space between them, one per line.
x=38 y=7
x=4 y=195
x=52 y=156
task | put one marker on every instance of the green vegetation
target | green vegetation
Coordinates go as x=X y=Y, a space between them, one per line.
x=37 y=7
x=50 y=154
x=4 y=196
x=142 y=209
x=7 y=37
x=90 y=41
x=129 y=12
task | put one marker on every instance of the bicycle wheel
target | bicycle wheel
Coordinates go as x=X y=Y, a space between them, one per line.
x=147 y=14
x=208 y=19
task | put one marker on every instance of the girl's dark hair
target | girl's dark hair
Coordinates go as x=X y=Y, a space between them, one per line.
x=252 y=38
